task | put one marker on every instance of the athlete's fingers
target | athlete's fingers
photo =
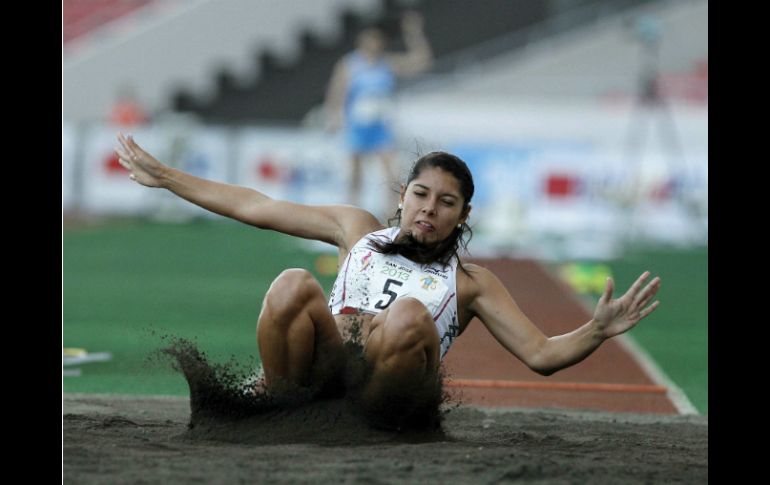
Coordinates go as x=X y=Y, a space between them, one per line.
x=127 y=146
x=608 y=289
x=123 y=157
x=646 y=295
x=637 y=284
x=135 y=148
x=649 y=309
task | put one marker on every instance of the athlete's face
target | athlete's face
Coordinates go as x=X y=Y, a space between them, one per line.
x=432 y=206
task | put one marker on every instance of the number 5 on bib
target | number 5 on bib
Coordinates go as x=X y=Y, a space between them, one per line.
x=392 y=295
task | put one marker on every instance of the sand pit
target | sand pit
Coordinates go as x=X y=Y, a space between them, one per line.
x=221 y=434
x=124 y=439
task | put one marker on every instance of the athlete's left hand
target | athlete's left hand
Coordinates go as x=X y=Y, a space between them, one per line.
x=614 y=317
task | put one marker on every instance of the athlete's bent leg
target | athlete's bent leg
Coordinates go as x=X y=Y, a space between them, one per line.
x=403 y=350
x=298 y=340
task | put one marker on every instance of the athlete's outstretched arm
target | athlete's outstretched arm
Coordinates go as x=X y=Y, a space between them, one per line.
x=334 y=224
x=496 y=308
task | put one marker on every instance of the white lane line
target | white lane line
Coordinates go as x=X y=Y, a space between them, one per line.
x=637 y=353
x=648 y=365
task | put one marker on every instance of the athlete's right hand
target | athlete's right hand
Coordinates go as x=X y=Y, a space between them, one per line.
x=144 y=168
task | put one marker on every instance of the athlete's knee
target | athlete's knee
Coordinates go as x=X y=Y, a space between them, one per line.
x=410 y=313
x=292 y=291
x=295 y=283
x=409 y=327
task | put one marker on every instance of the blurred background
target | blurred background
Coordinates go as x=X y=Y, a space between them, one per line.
x=584 y=122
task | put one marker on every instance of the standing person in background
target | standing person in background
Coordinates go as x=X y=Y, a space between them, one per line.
x=360 y=93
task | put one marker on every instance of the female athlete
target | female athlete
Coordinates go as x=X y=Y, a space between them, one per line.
x=401 y=290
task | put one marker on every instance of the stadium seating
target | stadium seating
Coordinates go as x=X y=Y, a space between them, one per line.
x=274 y=65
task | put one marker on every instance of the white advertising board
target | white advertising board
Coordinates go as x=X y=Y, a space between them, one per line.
x=107 y=188
x=303 y=167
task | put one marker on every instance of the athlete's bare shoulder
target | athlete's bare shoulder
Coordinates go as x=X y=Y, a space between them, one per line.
x=355 y=223
x=471 y=281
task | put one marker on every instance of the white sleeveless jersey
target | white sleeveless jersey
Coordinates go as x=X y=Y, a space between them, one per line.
x=369 y=282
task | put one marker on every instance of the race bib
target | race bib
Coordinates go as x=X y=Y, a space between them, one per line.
x=389 y=280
